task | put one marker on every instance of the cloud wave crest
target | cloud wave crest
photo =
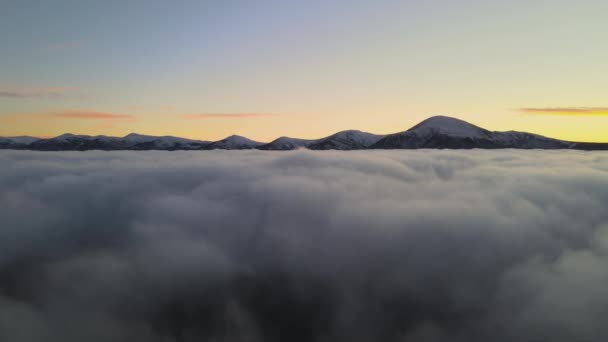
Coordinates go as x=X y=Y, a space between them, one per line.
x=304 y=246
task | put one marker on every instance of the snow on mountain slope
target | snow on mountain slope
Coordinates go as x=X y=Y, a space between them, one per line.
x=448 y=126
x=285 y=144
x=513 y=139
x=447 y=132
x=70 y=141
x=19 y=143
x=23 y=139
x=346 y=140
x=233 y=142
x=67 y=136
x=170 y=143
x=6 y=143
x=434 y=132
x=134 y=138
x=147 y=142
x=101 y=142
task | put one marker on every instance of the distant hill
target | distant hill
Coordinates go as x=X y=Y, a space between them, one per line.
x=437 y=132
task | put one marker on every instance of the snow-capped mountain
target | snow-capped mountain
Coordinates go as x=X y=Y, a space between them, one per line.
x=148 y=142
x=24 y=139
x=68 y=136
x=286 y=144
x=513 y=139
x=16 y=142
x=452 y=133
x=134 y=138
x=346 y=140
x=233 y=142
x=70 y=141
x=101 y=142
x=434 y=132
x=446 y=125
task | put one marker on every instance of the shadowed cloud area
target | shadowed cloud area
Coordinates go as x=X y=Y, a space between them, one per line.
x=437 y=246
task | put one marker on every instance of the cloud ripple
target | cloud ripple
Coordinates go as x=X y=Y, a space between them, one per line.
x=304 y=246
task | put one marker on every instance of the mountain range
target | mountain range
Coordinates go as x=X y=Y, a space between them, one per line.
x=437 y=132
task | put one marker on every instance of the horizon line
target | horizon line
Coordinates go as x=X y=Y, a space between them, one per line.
x=282 y=136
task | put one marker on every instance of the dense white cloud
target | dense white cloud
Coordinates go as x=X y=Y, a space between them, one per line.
x=304 y=246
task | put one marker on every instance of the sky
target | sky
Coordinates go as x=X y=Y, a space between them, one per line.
x=262 y=69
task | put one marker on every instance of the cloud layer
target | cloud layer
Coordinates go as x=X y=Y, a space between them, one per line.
x=304 y=246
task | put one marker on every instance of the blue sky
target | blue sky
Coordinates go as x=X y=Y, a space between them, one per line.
x=316 y=66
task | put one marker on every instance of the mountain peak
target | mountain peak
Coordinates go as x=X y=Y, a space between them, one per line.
x=238 y=138
x=234 y=142
x=23 y=139
x=346 y=140
x=69 y=135
x=286 y=143
x=138 y=136
x=435 y=132
x=135 y=138
x=135 y=135
x=442 y=121
x=349 y=131
x=447 y=125
x=287 y=139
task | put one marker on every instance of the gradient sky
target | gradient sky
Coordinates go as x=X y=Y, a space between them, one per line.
x=208 y=69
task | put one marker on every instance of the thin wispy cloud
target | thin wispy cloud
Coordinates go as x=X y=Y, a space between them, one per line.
x=11 y=94
x=105 y=119
x=37 y=92
x=227 y=115
x=164 y=108
x=88 y=114
x=567 y=111
x=66 y=46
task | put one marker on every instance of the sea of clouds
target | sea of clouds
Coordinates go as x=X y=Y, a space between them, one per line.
x=235 y=246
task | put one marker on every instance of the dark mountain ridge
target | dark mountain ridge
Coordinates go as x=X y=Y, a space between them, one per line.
x=437 y=132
